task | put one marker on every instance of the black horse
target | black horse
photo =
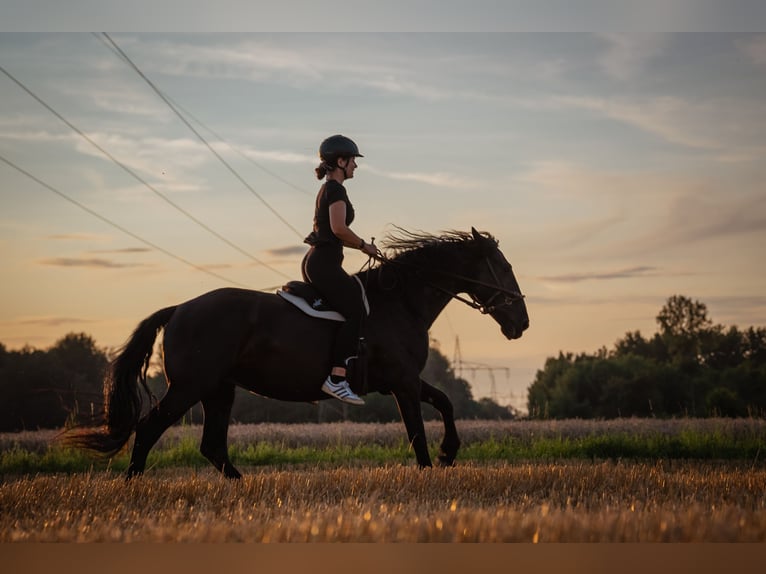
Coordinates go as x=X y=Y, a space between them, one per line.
x=266 y=345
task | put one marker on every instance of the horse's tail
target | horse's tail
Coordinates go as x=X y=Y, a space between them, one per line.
x=122 y=397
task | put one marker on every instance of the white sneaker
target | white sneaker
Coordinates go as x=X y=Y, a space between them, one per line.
x=341 y=391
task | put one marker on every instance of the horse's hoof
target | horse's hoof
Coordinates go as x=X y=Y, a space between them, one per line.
x=231 y=472
x=131 y=474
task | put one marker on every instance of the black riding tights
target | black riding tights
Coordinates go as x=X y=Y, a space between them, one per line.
x=322 y=267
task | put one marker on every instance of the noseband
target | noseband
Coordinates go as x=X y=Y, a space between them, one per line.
x=509 y=297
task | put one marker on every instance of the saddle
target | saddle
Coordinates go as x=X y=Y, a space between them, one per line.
x=306 y=298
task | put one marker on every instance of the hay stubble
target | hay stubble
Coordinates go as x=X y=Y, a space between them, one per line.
x=536 y=502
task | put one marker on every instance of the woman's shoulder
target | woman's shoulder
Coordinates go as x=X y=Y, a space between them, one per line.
x=335 y=191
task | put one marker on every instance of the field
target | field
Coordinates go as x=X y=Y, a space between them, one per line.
x=567 y=481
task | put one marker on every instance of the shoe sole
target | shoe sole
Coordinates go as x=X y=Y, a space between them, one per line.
x=348 y=400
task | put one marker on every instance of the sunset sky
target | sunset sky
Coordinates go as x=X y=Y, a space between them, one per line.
x=616 y=170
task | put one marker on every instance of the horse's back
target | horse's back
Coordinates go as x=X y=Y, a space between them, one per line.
x=255 y=339
x=209 y=328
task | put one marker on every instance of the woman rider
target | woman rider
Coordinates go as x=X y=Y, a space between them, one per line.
x=322 y=265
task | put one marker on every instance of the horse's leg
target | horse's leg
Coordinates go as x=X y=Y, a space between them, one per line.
x=409 y=407
x=451 y=442
x=217 y=409
x=171 y=408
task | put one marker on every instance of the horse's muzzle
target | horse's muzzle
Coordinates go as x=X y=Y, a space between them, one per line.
x=513 y=331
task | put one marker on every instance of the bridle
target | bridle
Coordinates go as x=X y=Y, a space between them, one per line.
x=509 y=297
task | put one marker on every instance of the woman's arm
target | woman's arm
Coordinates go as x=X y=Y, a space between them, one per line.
x=343 y=232
x=339 y=227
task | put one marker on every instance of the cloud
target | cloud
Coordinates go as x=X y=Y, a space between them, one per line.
x=295 y=63
x=739 y=302
x=166 y=163
x=575 y=300
x=675 y=120
x=123 y=250
x=78 y=237
x=627 y=56
x=92 y=263
x=564 y=178
x=582 y=232
x=51 y=321
x=437 y=179
x=174 y=155
x=214 y=266
x=691 y=219
x=727 y=128
x=640 y=271
x=755 y=49
x=253 y=59
x=287 y=251
x=742 y=311
x=126 y=100
x=278 y=156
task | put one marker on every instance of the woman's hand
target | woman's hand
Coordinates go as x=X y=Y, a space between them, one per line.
x=371 y=250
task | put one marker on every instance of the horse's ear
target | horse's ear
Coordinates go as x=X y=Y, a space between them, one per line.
x=485 y=243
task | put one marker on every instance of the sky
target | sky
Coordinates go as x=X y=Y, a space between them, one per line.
x=615 y=169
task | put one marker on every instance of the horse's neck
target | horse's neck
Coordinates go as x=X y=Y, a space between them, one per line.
x=434 y=304
x=438 y=290
x=427 y=296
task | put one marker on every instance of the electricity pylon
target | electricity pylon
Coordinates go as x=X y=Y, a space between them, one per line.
x=459 y=364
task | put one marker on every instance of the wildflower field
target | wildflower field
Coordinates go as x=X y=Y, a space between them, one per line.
x=630 y=480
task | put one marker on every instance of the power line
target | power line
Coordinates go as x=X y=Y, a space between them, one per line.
x=138 y=177
x=117 y=225
x=240 y=153
x=200 y=137
x=210 y=130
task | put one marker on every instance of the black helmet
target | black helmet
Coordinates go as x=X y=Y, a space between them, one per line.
x=337 y=146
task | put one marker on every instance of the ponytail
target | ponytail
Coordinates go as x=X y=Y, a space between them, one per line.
x=325 y=167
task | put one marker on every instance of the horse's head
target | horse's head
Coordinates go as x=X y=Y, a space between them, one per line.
x=459 y=262
x=494 y=287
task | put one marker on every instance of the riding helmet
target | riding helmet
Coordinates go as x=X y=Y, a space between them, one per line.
x=337 y=146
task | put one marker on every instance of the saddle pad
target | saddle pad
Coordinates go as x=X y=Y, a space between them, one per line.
x=320 y=311
x=308 y=299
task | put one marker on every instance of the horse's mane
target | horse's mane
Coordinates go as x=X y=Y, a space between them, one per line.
x=413 y=246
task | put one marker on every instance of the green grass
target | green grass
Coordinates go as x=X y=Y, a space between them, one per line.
x=686 y=445
x=185 y=453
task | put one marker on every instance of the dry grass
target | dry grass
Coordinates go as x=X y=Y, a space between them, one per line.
x=546 y=501
x=569 y=502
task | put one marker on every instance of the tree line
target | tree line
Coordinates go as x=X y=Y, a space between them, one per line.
x=63 y=385
x=689 y=367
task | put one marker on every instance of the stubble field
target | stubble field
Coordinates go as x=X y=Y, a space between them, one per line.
x=485 y=498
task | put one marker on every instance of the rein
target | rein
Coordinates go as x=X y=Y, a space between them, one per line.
x=484 y=307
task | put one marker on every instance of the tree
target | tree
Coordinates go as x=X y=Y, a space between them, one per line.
x=683 y=324
x=691 y=367
x=43 y=389
x=682 y=317
x=542 y=393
